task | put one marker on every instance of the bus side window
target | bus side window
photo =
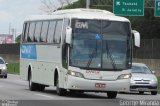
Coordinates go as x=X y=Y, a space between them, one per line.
x=25 y=33
x=44 y=31
x=51 y=30
x=31 y=32
x=37 y=31
x=58 y=32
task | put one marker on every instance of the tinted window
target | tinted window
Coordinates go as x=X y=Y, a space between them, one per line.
x=1 y=61
x=26 y=32
x=140 y=69
x=44 y=31
x=51 y=31
x=58 y=32
x=37 y=31
x=95 y=42
x=31 y=32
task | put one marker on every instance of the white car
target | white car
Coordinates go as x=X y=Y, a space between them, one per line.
x=3 y=68
x=143 y=79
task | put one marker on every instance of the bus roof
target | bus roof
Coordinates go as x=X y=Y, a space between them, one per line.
x=79 y=14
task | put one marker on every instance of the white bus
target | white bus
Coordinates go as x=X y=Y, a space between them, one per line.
x=85 y=50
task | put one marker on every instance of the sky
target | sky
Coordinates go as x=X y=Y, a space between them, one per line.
x=13 y=13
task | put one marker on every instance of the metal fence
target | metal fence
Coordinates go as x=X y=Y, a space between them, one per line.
x=149 y=53
x=13 y=49
x=10 y=52
x=149 y=49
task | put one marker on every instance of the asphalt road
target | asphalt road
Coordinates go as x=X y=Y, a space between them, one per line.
x=15 y=92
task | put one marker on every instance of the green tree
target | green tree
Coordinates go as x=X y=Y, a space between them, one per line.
x=18 y=38
x=147 y=25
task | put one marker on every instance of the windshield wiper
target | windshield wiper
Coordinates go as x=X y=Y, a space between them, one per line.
x=92 y=55
x=111 y=57
x=139 y=72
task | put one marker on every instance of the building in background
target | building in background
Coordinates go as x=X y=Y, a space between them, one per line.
x=6 y=38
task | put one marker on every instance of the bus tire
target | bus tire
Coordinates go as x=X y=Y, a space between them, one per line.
x=141 y=92
x=41 y=87
x=32 y=85
x=60 y=91
x=111 y=94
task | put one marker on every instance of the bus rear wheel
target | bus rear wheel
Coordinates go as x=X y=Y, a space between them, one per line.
x=41 y=87
x=111 y=94
x=60 y=91
x=32 y=86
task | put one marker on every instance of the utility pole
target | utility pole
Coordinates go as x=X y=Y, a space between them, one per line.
x=9 y=29
x=15 y=35
x=88 y=4
x=13 y=31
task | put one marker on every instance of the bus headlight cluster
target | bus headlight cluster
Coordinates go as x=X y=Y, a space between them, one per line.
x=76 y=74
x=124 y=76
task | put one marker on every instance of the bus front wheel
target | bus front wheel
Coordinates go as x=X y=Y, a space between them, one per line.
x=60 y=91
x=112 y=94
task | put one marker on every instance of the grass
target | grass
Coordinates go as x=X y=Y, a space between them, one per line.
x=13 y=68
x=158 y=84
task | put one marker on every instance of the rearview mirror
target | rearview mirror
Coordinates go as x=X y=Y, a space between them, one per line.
x=6 y=63
x=68 y=35
x=136 y=38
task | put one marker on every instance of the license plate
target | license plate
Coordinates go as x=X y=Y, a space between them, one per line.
x=100 y=85
x=142 y=89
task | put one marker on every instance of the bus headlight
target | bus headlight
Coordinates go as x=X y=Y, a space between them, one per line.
x=124 y=76
x=76 y=74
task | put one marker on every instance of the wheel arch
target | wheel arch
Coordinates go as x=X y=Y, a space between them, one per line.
x=29 y=71
x=56 y=74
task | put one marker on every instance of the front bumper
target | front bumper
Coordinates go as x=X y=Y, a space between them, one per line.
x=76 y=83
x=143 y=87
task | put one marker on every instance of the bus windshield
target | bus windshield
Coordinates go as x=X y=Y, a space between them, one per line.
x=100 y=44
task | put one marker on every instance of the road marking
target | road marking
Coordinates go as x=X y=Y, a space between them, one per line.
x=45 y=96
